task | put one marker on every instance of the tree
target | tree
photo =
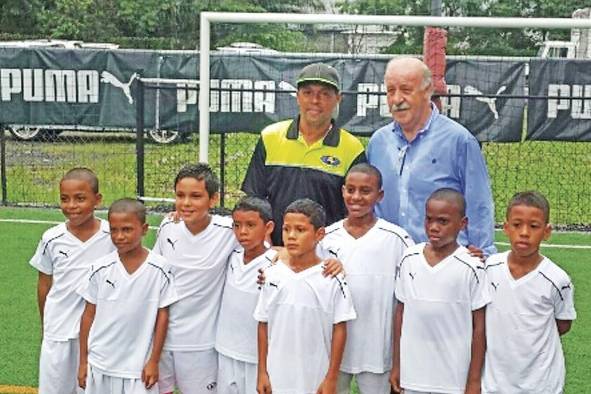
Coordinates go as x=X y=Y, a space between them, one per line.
x=19 y=16
x=505 y=42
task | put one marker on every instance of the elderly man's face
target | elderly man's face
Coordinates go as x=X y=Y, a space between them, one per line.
x=408 y=100
x=317 y=103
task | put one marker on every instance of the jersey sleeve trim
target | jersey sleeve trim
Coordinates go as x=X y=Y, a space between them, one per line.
x=166 y=275
x=50 y=240
x=101 y=268
x=402 y=238
x=553 y=285
x=493 y=265
x=470 y=267
x=403 y=259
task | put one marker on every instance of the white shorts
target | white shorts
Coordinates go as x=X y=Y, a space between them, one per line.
x=236 y=377
x=58 y=367
x=368 y=383
x=404 y=391
x=98 y=383
x=190 y=372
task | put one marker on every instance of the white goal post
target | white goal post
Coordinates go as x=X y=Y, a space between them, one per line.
x=207 y=18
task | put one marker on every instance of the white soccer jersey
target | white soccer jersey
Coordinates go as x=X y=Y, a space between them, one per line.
x=524 y=354
x=301 y=310
x=199 y=264
x=370 y=262
x=120 y=338
x=437 y=321
x=237 y=329
x=62 y=255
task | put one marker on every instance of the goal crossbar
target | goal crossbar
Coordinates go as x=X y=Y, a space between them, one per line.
x=207 y=18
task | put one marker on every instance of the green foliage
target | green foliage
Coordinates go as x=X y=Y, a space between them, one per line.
x=19 y=16
x=473 y=41
x=174 y=24
x=88 y=20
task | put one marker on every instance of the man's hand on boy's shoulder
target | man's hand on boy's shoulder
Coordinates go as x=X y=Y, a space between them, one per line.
x=150 y=374
x=475 y=251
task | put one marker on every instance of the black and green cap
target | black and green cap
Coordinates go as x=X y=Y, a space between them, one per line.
x=320 y=73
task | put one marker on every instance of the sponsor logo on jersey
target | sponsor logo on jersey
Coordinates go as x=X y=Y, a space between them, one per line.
x=171 y=242
x=330 y=161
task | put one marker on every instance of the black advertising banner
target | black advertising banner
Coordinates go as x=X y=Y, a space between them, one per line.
x=488 y=118
x=95 y=89
x=89 y=89
x=566 y=114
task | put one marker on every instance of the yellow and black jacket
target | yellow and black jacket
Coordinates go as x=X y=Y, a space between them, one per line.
x=284 y=168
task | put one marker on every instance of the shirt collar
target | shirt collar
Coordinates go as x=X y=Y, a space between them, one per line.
x=434 y=113
x=331 y=138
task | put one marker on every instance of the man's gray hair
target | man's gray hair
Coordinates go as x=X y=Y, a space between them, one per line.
x=427 y=76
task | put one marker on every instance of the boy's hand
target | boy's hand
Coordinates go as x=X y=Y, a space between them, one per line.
x=281 y=255
x=395 y=380
x=263 y=384
x=82 y=371
x=473 y=388
x=150 y=374
x=174 y=216
x=475 y=251
x=328 y=386
x=333 y=267
x=261 y=277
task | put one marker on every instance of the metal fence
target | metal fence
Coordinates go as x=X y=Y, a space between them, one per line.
x=128 y=164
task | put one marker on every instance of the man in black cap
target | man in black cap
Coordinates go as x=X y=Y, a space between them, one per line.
x=305 y=157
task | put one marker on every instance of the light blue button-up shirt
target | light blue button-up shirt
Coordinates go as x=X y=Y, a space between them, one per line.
x=444 y=154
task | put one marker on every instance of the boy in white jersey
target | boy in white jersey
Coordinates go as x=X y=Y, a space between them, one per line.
x=302 y=314
x=439 y=338
x=62 y=259
x=531 y=306
x=370 y=250
x=236 y=338
x=124 y=323
x=198 y=248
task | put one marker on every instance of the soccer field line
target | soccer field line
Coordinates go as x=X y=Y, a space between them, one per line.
x=18 y=389
x=555 y=246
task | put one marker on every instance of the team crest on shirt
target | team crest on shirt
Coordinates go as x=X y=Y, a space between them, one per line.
x=330 y=160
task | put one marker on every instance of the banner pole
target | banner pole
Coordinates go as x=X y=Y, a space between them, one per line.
x=139 y=140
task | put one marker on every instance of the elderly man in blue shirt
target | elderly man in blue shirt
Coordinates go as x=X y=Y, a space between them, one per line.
x=422 y=151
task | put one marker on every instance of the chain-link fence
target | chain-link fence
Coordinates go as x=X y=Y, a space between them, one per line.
x=31 y=169
x=521 y=101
